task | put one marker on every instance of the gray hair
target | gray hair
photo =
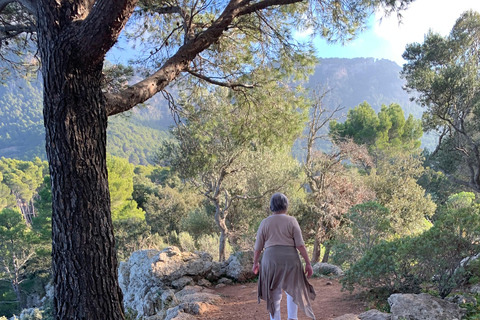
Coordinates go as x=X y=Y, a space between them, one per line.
x=278 y=202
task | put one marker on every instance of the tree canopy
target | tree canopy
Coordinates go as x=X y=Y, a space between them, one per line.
x=190 y=43
x=445 y=73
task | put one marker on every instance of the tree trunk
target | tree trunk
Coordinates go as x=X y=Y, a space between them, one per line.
x=15 y=280
x=85 y=275
x=316 y=250
x=220 y=220
x=326 y=254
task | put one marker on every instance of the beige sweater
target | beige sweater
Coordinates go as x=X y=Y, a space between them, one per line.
x=279 y=230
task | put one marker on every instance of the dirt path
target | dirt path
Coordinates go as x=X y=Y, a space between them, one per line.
x=239 y=302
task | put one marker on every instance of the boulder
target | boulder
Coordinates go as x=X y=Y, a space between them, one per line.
x=423 y=307
x=147 y=278
x=349 y=316
x=239 y=266
x=321 y=268
x=375 y=315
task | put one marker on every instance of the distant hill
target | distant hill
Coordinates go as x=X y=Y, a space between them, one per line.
x=353 y=81
x=140 y=132
x=135 y=135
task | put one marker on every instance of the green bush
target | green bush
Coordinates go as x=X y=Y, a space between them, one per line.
x=387 y=266
x=210 y=244
x=187 y=243
x=198 y=223
x=436 y=257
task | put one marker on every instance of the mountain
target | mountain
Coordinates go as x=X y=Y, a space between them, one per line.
x=135 y=135
x=138 y=134
x=353 y=81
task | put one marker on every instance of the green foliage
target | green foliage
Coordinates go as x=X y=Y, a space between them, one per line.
x=211 y=243
x=436 y=257
x=386 y=266
x=187 y=243
x=394 y=181
x=198 y=222
x=120 y=181
x=387 y=130
x=366 y=225
x=444 y=71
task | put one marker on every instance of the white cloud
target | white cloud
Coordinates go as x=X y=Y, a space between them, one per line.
x=423 y=15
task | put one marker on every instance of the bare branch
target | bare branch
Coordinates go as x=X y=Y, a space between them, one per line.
x=219 y=83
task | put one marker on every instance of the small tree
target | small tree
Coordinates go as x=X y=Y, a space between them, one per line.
x=366 y=225
x=225 y=142
x=17 y=248
x=335 y=188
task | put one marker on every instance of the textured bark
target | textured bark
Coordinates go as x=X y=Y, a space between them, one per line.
x=220 y=220
x=316 y=250
x=84 y=266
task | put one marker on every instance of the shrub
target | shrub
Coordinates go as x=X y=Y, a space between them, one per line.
x=438 y=256
x=387 y=266
x=210 y=244
x=186 y=242
x=198 y=223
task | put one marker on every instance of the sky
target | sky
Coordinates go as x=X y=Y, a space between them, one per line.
x=386 y=39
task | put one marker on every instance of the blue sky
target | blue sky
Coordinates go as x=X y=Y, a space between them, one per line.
x=387 y=39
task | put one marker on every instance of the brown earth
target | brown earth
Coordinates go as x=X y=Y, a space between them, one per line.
x=239 y=302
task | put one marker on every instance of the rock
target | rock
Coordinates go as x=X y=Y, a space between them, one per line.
x=204 y=283
x=349 y=316
x=239 y=266
x=423 y=307
x=148 y=274
x=326 y=269
x=220 y=285
x=375 y=315
x=460 y=299
x=182 y=282
x=224 y=281
x=475 y=289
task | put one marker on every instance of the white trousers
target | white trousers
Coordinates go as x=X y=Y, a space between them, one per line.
x=292 y=308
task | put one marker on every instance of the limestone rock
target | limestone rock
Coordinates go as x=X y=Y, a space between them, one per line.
x=204 y=283
x=321 y=268
x=239 y=266
x=423 y=307
x=349 y=316
x=148 y=276
x=461 y=299
x=375 y=315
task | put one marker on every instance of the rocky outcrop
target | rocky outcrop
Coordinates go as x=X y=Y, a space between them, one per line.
x=321 y=268
x=375 y=315
x=239 y=266
x=347 y=317
x=171 y=284
x=423 y=307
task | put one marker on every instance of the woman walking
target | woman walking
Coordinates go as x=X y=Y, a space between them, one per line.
x=281 y=267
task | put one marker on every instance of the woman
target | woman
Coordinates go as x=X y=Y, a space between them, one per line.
x=281 y=267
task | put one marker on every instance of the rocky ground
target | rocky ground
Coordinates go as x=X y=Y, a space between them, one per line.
x=239 y=302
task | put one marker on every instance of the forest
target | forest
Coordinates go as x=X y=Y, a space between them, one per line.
x=397 y=217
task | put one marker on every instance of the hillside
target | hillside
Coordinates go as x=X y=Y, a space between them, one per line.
x=135 y=135
x=353 y=81
x=139 y=133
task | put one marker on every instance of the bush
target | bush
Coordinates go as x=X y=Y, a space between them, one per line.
x=210 y=244
x=438 y=257
x=387 y=266
x=186 y=242
x=198 y=223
